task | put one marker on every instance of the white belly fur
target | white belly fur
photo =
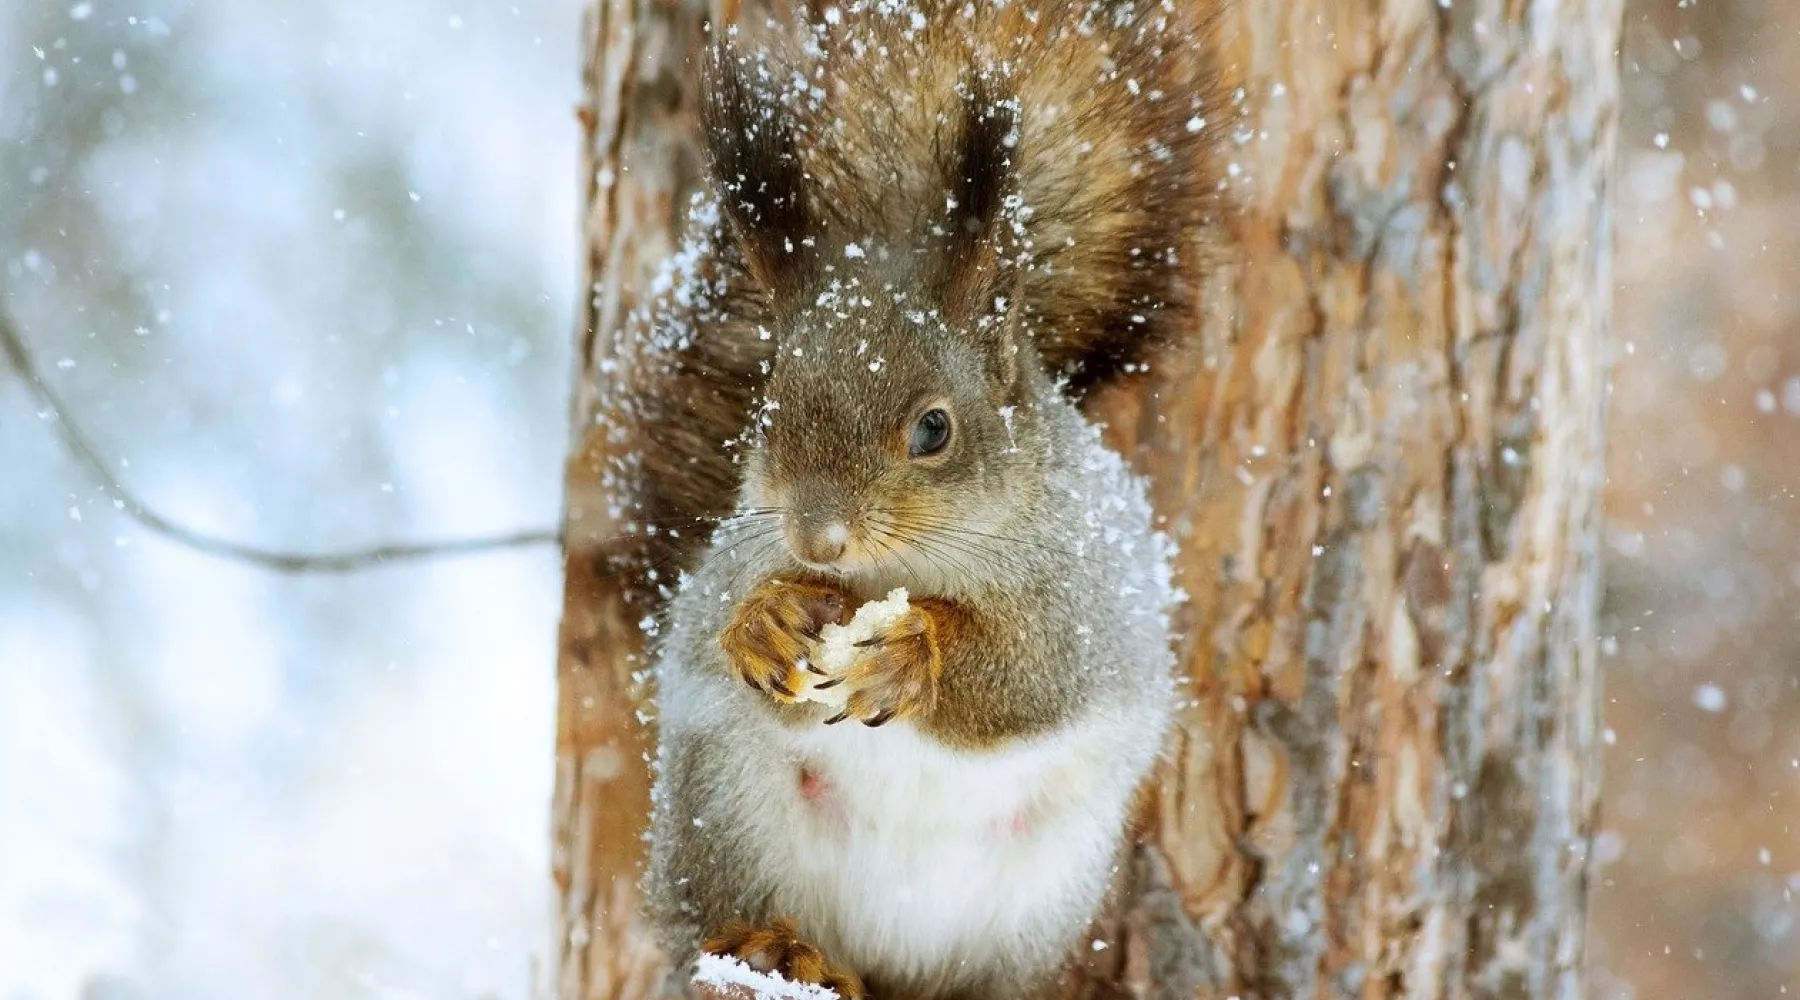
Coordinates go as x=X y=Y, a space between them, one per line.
x=909 y=861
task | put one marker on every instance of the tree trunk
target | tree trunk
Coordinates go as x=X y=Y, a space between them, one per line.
x=1382 y=468
x=638 y=164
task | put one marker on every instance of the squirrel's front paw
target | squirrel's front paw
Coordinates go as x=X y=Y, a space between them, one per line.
x=773 y=630
x=896 y=674
x=778 y=949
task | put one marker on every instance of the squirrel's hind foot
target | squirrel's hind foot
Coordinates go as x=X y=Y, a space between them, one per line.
x=777 y=948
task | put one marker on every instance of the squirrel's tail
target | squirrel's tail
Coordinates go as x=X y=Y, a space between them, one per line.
x=1080 y=142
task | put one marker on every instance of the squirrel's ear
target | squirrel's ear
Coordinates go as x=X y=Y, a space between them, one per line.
x=978 y=173
x=756 y=171
x=976 y=286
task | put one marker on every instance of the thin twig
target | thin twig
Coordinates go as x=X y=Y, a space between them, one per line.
x=82 y=448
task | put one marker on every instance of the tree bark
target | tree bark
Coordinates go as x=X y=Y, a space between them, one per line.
x=639 y=163
x=1382 y=467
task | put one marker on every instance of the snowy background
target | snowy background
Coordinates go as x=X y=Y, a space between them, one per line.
x=304 y=269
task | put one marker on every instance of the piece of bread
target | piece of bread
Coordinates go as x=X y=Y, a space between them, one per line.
x=836 y=650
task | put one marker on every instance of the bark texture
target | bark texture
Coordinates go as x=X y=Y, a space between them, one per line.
x=638 y=165
x=1382 y=463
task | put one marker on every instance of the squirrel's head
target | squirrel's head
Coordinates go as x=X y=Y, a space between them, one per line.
x=900 y=421
x=893 y=436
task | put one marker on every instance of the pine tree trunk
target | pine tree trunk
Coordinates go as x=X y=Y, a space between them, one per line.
x=1382 y=466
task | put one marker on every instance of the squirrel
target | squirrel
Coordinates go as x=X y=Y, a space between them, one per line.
x=934 y=227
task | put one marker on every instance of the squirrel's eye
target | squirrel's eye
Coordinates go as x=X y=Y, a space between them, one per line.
x=931 y=433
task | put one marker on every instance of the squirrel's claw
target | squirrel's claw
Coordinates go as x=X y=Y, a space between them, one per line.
x=778 y=948
x=768 y=639
x=896 y=675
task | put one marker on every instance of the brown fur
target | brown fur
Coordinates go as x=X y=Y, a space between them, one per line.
x=662 y=460
x=1119 y=185
x=774 y=629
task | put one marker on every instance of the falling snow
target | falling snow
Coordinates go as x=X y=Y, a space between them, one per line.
x=304 y=268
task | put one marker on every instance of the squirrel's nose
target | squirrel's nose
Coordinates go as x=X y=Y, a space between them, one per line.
x=818 y=539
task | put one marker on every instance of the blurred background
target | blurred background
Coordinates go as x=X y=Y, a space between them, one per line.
x=1696 y=893
x=303 y=268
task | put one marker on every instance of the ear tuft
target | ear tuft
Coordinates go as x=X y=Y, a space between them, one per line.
x=978 y=172
x=757 y=173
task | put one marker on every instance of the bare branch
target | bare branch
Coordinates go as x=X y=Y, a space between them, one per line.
x=82 y=448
